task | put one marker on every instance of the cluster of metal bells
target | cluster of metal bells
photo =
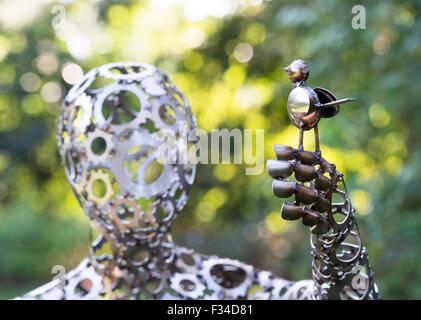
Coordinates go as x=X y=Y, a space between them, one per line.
x=313 y=187
x=337 y=250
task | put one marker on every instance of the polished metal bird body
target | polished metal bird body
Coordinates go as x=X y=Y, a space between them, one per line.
x=306 y=106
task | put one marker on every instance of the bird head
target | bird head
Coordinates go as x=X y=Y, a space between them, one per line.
x=297 y=71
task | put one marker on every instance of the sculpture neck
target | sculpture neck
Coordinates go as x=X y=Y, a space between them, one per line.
x=135 y=256
x=301 y=83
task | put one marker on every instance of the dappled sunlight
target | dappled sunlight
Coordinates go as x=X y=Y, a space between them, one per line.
x=226 y=56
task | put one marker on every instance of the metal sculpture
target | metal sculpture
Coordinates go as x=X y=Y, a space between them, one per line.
x=340 y=262
x=305 y=105
x=109 y=138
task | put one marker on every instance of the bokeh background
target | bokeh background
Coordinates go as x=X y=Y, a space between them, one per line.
x=226 y=56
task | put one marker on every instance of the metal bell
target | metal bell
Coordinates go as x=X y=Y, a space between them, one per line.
x=284 y=152
x=310 y=217
x=304 y=173
x=291 y=211
x=305 y=194
x=283 y=189
x=279 y=168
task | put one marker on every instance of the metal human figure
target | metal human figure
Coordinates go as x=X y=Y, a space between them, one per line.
x=306 y=106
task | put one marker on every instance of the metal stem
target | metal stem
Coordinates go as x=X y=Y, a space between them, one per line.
x=340 y=101
x=316 y=139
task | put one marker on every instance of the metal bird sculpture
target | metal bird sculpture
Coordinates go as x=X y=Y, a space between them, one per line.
x=320 y=198
x=306 y=106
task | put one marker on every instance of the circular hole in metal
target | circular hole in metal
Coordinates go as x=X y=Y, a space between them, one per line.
x=167 y=114
x=118 y=70
x=339 y=217
x=282 y=291
x=140 y=255
x=228 y=276
x=99 y=188
x=125 y=212
x=99 y=82
x=187 y=285
x=83 y=287
x=337 y=198
x=153 y=285
x=121 y=107
x=101 y=251
x=187 y=259
x=98 y=145
x=153 y=172
x=165 y=211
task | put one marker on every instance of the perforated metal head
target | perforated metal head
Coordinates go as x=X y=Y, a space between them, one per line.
x=109 y=139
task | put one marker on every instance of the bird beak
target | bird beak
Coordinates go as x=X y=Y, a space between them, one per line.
x=286 y=69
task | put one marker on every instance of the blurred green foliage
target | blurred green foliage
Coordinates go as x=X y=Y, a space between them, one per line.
x=226 y=56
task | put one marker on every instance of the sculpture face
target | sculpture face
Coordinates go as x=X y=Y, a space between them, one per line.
x=109 y=136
